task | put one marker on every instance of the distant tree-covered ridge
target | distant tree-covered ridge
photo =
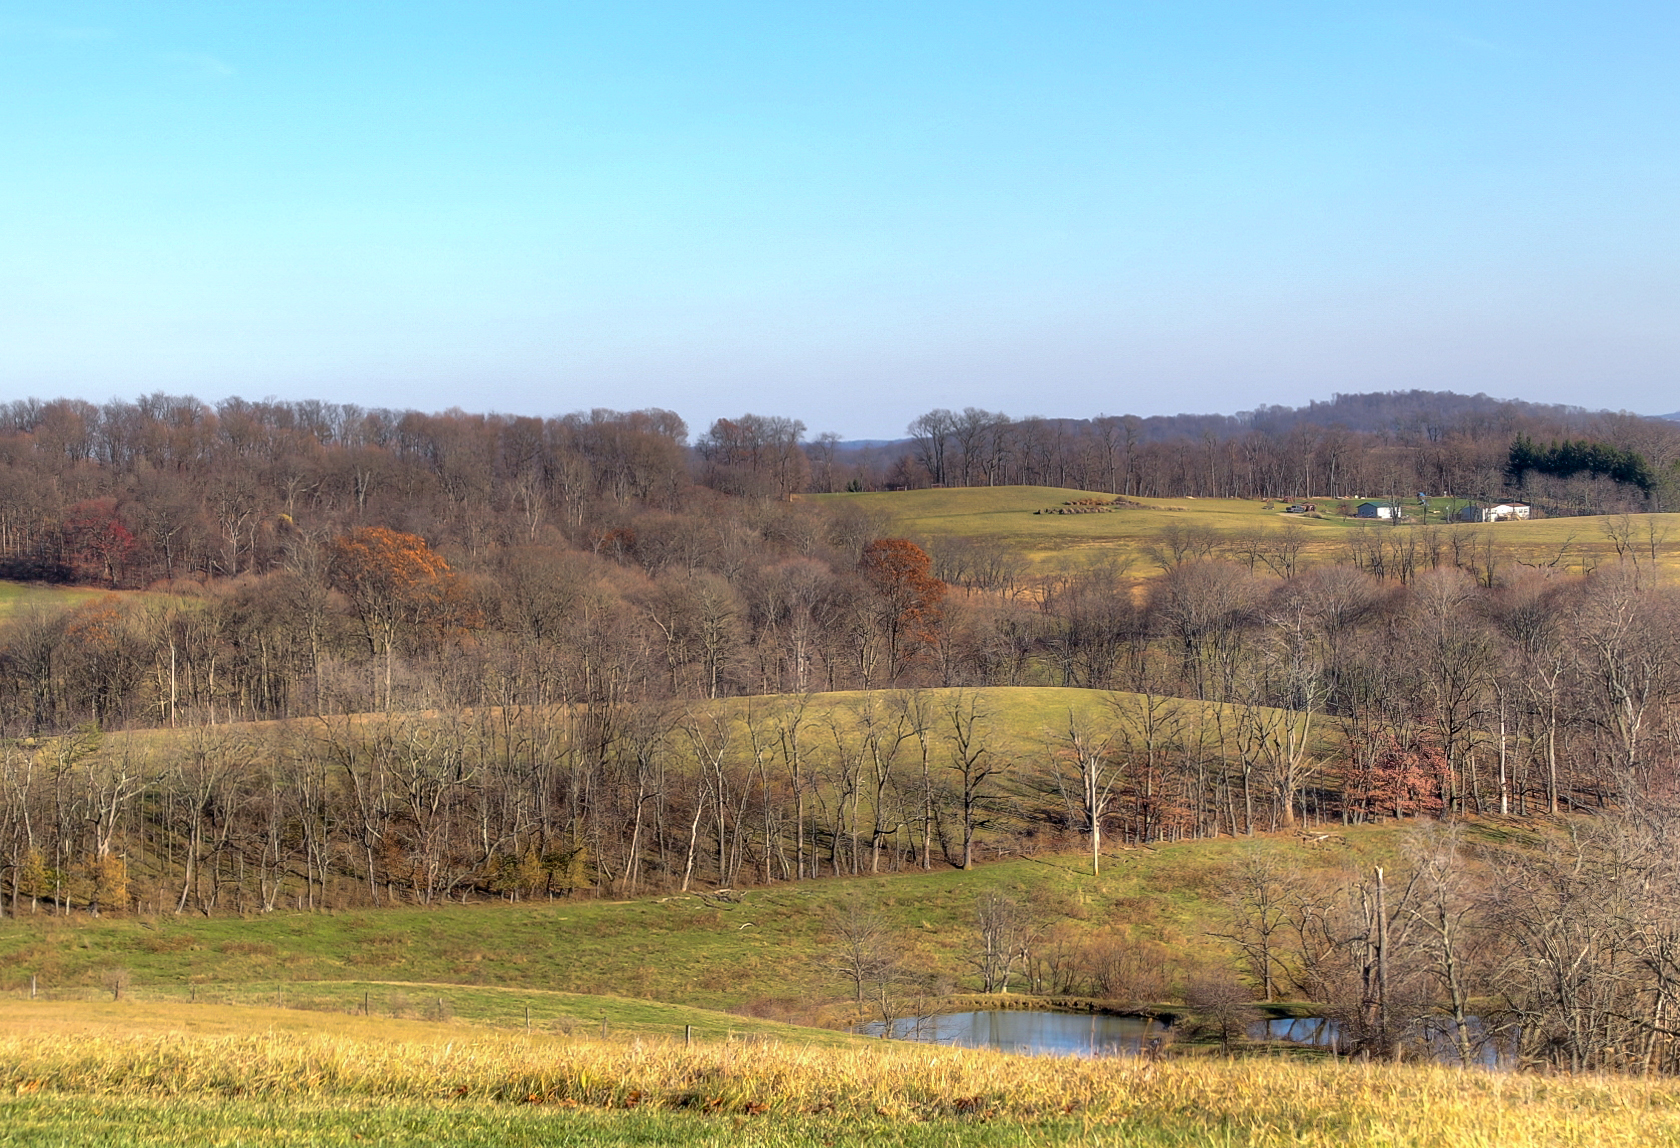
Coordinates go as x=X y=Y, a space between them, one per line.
x=128 y=493
x=1356 y=446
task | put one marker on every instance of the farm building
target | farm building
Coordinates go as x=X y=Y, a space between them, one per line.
x=1498 y=512
x=1377 y=510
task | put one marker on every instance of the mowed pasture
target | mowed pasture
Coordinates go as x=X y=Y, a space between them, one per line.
x=345 y=1080
x=20 y=597
x=766 y=952
x=1005 y=514
x=1124 y=534
x=1019 y=722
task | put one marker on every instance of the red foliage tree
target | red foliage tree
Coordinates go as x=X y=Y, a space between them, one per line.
x=910 y=596
x=96 y=541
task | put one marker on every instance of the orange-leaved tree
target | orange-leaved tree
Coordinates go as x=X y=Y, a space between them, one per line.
x=902 y=574
x=392 y=580
x=1395 y=777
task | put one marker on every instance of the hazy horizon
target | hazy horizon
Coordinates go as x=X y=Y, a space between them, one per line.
x=698 y=422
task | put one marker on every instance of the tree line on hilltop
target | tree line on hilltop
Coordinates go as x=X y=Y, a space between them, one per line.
x=1356 y=446
x=166 y=487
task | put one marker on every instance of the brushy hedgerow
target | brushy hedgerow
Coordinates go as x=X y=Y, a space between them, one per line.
x=1252 y=1099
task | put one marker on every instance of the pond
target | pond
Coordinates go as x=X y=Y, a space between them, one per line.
x=1490 y=1050
x=1093 y=1034
x=1037 y=1033
x=1318 y=1031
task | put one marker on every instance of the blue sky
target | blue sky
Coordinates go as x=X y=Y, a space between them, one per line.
x=845 y=213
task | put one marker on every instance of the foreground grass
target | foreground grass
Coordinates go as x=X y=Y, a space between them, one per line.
x=131 y=1122
x=59 y=1085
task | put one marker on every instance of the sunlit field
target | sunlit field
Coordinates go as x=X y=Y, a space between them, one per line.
x=348 y=1080
x=16 y=597
x=1123 y=534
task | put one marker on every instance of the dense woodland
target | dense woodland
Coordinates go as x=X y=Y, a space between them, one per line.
x=530 y=658
x=446 y=747
x=164 y=488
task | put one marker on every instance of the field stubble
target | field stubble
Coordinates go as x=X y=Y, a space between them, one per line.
x=425 y=1083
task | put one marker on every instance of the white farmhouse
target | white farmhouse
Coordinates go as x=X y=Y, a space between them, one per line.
x=1498 y=512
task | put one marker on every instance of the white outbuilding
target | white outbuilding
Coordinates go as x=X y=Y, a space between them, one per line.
x=1498 y=512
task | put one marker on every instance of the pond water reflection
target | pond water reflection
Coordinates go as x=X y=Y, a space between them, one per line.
x=1092 y=1034
x=1038 y=1033
x=1490 y=1050
x=1318 y=1031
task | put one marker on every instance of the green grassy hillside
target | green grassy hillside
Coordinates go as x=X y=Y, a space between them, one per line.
x=1005 y=514
x=1019 y=722
x=16 y=597
x=760 y=950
